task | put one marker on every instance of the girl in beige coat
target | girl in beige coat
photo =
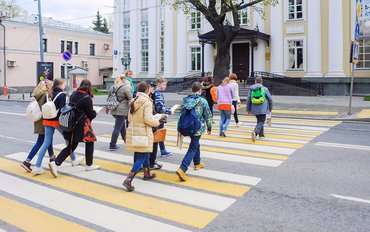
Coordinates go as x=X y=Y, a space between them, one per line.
x=141 y=122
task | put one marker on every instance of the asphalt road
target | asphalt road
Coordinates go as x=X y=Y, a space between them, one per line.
x=323 y=186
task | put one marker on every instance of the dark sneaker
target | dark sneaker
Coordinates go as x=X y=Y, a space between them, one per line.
x=223 y=134
x=156 y=166
x=26 y=165
x=114 y=148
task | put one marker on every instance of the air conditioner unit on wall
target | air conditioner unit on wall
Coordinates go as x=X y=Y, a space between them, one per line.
x=11 y=63
x=85 y=64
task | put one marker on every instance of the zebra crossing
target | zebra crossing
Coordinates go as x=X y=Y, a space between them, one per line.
x=96 y=201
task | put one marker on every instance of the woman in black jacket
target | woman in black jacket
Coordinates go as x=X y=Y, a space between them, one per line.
x=82 y=132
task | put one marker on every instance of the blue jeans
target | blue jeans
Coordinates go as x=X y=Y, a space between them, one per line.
x=161 y=144
x=142 y=159
x=225 y=120
x=36 y=147
x=235 y=104
x=193 y=153
x=48 y=140
x=119 y=127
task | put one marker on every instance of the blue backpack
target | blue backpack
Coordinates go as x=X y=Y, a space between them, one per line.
x=189 y=123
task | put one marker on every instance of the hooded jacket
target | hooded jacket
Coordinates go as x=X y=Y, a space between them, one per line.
x=263 y=108
x=141 y=122
x=202 y=110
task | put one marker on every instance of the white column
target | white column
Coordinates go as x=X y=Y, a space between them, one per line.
x=117 y=39
x=335 y=48
x=169 y=42
x=181 y=45
x=314 y=50
x=153 y=38
x=135 y=36
x=277 y=39
x=259 y=54
x=208 y=50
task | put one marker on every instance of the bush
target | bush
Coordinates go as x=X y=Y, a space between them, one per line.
x=95 y=90
x=367 y=98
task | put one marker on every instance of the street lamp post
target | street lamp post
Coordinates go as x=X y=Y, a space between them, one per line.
x=126 y=61
x=4 y=15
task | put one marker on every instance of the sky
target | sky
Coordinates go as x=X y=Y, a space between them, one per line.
x=81 y=12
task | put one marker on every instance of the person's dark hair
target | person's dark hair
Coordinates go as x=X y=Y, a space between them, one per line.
x=196 y=87
x=86 y=86
x=141 y=87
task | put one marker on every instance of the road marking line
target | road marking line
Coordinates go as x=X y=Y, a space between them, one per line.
x=364 y=113
x=351 y=198
x=246 y=133
x=221 y=176
x=341 y=145
x=11 y=113
x=27 y=218
x=308 y=112
x=232 y=158
x=267 y=129
x=105 y=139
x=159 y=208
x=205 y=200
x=242 y=138
x=249 y=147
x=13 y=138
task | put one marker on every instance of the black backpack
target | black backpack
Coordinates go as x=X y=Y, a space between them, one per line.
x=67 y=116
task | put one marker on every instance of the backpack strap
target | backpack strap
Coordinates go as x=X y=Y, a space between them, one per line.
x=57 y=96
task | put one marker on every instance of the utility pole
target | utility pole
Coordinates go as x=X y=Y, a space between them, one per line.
x=40 y=31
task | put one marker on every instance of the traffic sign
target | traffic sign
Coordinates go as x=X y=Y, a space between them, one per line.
x=355 y=52
x=67 y=55
x=115 y=52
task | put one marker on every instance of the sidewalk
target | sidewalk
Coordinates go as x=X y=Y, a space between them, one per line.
x=324 y=107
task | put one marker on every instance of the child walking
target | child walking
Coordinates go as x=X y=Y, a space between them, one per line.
x=224 y=104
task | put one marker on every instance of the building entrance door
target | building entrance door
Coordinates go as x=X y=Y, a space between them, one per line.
x=241 y=60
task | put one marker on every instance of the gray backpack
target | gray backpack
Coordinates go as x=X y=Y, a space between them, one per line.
x=112 y=101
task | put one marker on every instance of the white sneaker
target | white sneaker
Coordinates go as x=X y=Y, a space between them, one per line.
x=239 y=124
x=77 y=161
x=53 y=169
x=253 y=136
x=37 y=171
x=92 y=167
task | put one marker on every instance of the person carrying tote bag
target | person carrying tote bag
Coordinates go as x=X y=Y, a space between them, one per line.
x=139 y=137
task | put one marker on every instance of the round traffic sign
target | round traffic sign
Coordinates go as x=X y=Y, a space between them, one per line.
x=67 y=55
x=357 y=31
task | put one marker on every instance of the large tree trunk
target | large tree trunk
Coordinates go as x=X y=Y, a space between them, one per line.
x=222 y=64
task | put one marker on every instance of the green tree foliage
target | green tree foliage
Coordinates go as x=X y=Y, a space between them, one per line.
x=12 y=7
x=100 y=24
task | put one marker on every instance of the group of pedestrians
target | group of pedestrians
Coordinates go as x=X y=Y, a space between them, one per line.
x=136 y=120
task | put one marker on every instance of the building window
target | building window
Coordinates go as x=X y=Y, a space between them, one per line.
x=195 y=20
x=161 y=49
x=45 y=45
x=364 y=54
x=126 y=5
x=195 y=54
x=144 y=41
x=295 y=9
x=62 y=46
x=295 y=55
x=70 y=46
x=243 y=16
x=76 y=47
x=144 y=3
x=62 y=70
x=92 y=50
x=144 y=61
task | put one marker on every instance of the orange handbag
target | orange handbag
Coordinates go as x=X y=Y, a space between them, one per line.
x=159 y=135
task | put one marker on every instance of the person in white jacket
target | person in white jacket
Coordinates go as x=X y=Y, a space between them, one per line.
x=236 y=99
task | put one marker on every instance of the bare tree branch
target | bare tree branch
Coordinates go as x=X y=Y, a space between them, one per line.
x=242 y=6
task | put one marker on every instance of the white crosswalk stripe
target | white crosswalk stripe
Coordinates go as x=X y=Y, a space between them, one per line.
x=108 y=217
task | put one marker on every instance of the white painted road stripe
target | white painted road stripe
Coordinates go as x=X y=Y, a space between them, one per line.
x=156 y=189
x=284 y=126
x=351 y=198
x=21 y=140
x=109 y=218
x=222 y=176
x=341 y=145
x=247 y=136
x=232 y=158
x=278 y=132
x=11 y=113
x=241 y=146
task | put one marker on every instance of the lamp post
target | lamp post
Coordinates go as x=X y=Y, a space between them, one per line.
x=126 y=61
x=4 y=15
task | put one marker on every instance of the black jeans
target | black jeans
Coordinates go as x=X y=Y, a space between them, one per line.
x=119 y=127
x=260 y=122
x=89 y=152
x=235 y=112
